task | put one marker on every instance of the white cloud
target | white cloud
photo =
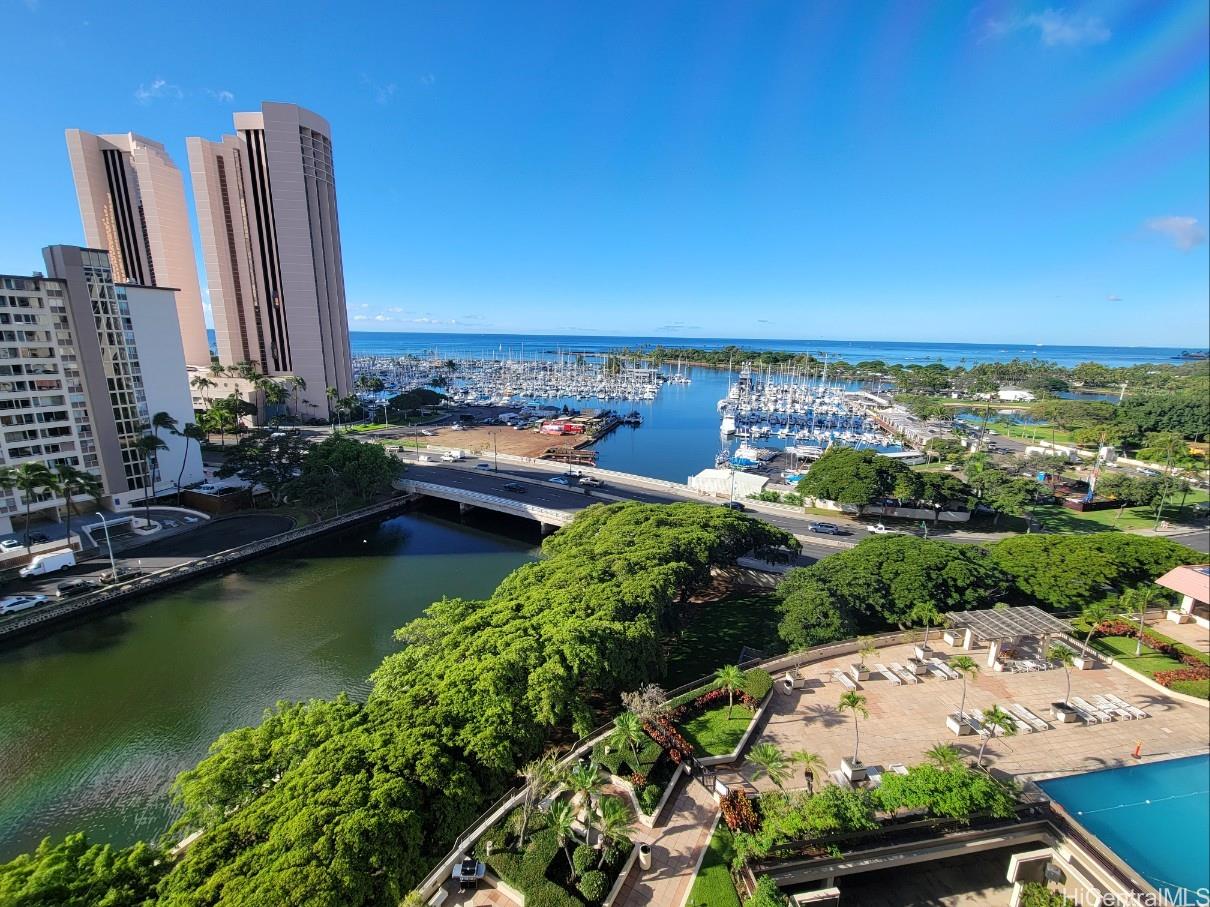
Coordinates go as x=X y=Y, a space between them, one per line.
x=222 y=95
x=1113 y=297
x=382 y=93
x=1055 y=28
x=1184 y=232
x=157 y=90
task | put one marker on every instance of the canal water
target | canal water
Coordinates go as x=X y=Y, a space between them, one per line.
x=97 y=719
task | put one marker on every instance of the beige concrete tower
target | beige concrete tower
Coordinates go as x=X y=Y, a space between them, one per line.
x=132 y=203
x=266 y=207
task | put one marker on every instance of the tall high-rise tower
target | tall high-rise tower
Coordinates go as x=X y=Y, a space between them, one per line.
x=266 y=207
x=132 y=203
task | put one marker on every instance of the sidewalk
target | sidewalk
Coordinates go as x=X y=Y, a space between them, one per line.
x=676 y=851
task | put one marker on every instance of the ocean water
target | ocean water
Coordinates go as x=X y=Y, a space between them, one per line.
x=369 y=343
x=1155 y=816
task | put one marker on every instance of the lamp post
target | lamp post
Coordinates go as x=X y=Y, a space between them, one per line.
x=113 y=566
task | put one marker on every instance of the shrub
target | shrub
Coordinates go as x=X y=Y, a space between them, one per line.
x=766 y=894
x=583 y=858
x=1168 y=678
x=757 y=684
x=649 y=798
x=1035 y=894
x=594 y=886
x=738 y=812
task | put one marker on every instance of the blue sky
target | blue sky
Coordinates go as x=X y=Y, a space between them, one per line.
x=999 y=172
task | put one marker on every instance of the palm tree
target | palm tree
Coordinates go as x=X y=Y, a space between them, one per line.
x=275 y=393
x=190 y=432
x=203 y=384
x=1138 y=601
x=855 y=703
x=72 y=482
x=996 y=719
x=967 y=667
x=811 y=763
x=925 y=613
x=1095 y=613
x=333 y=395
x=297 y=384
x=165 y=421
x=539 y=775
x=730 y=678
x=31 y=478
x=560 y=816
x=628 y=732
x=148 y=446
x=1065 y=657
x=945 y=756
x=614 y=820
x=771 y=761
x=584 y=780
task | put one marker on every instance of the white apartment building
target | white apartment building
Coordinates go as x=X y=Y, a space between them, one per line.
x=44 y=414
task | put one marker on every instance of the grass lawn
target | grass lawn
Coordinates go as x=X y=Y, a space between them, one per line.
x=713 y=886
x=1057 y=518
x=713 y=734
x=716 y=631
x=1149 y=663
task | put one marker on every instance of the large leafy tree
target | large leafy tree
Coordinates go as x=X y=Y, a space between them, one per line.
x=850 y=476
x=811 y=616
x=346 y=468
x=74 y=873
x=271 y=459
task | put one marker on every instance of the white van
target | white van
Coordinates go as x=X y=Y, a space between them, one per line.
x=49 y=563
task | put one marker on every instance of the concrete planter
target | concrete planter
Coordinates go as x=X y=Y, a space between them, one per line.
x=854 y=771
x=1064 y=714
x=859 y=672
x=923 y=652
x=615 y=892
x=916 y=666
x=734 y=755
x=952 y=637
x=644 y=819
x=1086 y=662
x=960 y=727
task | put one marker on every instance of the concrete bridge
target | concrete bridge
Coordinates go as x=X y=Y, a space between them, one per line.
x=550 y=517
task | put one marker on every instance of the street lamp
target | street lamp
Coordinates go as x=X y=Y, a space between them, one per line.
x=113 y=566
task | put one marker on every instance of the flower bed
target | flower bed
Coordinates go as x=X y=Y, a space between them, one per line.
x=1162 y=659
x=648 y=779
x=703 y=714
x=1151 y=640
x=738 y=812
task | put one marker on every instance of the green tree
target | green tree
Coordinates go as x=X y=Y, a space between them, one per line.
x=584 y=781
x=966 y=667
x=995 y=720
x=1094 y=613
x=855 y=703
x=768 y=760
x=73 y=483
x=810 y=615
x=148 y=446
x=74 y=873
x=730 y=678
x=560 y=817
x=613 y=823
x=812 y=765
x=31 y=479
x=628 y=733
x=766 y=894
x=944 y=756
x=850 y=476
x=1066 y=658
x=271 y=459
x=347 y=468
x=1137 y=601
x=539 y=776
x=926 y=614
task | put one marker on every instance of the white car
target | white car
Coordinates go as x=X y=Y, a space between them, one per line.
x=16 y=603
x=590 y=482
x=10 y=545
x=879 y=529
x=559 y=480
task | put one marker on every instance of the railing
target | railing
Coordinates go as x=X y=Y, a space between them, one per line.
x=491 y=501
x=180 y=572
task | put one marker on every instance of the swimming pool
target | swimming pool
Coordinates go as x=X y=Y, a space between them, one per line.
x=1155 y=816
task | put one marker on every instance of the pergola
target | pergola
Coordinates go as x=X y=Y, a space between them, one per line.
x=995 y=626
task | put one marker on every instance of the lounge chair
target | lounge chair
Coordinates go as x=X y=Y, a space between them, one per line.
x=1021 y=725
x=898 y=768
x=946 y=669
x=1132 y=709
x=845 y=680
x=1106 y=706
x=1102 y=717
x=1038 y=724
x=889 y=674
x=906 y=675
x=939 y=669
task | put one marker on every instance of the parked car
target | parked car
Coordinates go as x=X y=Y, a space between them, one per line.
x=825 y=528
x=74 y=587
x=734 y=505
x=514 y=487
x=10 y=545
x=559 y=480
x=15 y=603
x=41 y=538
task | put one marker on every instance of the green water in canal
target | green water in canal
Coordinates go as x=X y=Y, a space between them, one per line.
x=97 y=719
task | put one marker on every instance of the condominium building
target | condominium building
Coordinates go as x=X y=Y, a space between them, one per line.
x=127 y=341
x=132 y=203
x=266 y=207
x=44 y=414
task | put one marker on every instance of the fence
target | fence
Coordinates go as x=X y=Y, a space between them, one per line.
x=47 y=614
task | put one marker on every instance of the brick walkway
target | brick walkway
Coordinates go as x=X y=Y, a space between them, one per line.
x=676 y=847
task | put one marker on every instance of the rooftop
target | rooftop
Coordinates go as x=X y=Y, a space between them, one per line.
x=1192 y=580
x=1007 y=623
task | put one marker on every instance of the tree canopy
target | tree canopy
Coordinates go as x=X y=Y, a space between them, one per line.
x=850 y=476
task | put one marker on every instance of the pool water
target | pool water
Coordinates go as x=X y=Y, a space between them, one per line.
x=1155 y=816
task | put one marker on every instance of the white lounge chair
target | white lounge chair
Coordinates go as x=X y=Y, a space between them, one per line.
x=889 y=674
x=1038 y=724
x=898 y=768
x=906 y=675
x=939 y=669
x=1132 y=709
x=946 y=669
x=1110 y=708
x=1102 y=717
x=845 y=680
x=1022 y=726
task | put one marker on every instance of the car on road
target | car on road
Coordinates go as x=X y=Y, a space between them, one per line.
x=16 y=603
x=514 y=487
x=10 y=545
x=74 y=587
x=41 y=538
x=590 y=482
x=1142 y=470
x=486 y=466
x=734 y=505
x=122 y=574
x=192 y=519
x=952 y=467
x=559 y=480
x=825 y=528
x=880 y=529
